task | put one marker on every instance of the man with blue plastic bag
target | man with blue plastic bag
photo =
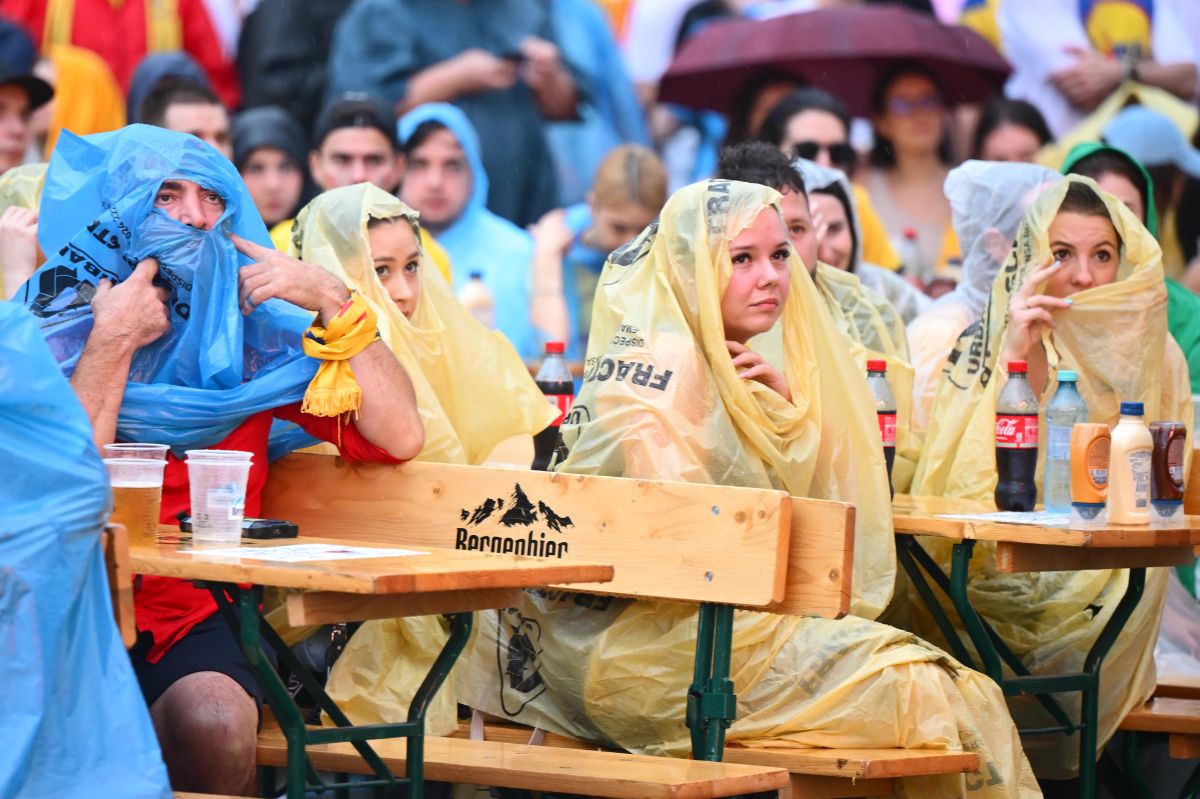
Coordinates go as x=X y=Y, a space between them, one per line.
x=168 y=338
x=74 y=720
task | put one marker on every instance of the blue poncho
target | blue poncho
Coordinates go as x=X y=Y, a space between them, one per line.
x=480 y=241
x=75 y=722
x=214 y=368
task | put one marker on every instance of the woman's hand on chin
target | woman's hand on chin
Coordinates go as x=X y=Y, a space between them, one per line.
x=751 y=366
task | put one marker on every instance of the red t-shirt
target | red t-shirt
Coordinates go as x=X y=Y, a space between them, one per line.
x=169 y=608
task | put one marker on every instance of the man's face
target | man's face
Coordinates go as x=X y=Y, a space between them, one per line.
x=14 y=126
x=356 y=155
x=208 y=123
x=275 y=183
x=438 y=181
x=798 y=219
x=190 y=203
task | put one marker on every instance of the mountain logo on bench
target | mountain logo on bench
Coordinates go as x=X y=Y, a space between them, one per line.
x=514 y=511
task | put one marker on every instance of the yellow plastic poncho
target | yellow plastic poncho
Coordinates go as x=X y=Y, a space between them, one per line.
x=1115 y=338
x=472 y=390
x=616 y=671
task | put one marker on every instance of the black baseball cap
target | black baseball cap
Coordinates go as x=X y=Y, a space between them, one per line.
x=354 y=110
x=37 y=90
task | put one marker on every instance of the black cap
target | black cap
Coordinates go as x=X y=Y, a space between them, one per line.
x=37 y=90
x=354 y=110
x=268 y=126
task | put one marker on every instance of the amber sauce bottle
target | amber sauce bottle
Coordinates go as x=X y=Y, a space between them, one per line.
x=1166 y=472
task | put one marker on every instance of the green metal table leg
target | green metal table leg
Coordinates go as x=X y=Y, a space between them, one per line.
x=460 y=632
x=909 y=560
x=960 y=563
x=711 y=702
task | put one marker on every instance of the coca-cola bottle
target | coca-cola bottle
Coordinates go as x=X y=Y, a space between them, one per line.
x=885 y=409
x=1016 y=442
x=554 y=379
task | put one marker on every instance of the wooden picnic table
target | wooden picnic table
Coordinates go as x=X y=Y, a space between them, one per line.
x=1032 y=548
x=425 y=582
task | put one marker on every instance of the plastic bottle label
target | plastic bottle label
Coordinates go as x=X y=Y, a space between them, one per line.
x=1016 y=432
x=561 y=402
x=1058 y=443
x=887 y=428
x=1139 y=467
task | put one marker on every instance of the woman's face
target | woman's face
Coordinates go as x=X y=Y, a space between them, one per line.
x=397 y=262
x=275 y=182
x=912 y=115
x=759 y=279
x=1123 y=189
x=614 y=225
x=1087 y=249
x=838 y=242
x=1010 y=142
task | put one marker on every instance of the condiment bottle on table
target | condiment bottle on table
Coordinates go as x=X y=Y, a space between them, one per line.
x=1129 y=474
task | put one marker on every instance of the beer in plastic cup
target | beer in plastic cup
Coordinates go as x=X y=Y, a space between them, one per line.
x=137 y=495
x=218 y=491
x=150 y=452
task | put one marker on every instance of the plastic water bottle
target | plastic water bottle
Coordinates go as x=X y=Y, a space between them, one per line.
x=476 y=297
x=1066 y=409
x=910 y=255
x=885 y=410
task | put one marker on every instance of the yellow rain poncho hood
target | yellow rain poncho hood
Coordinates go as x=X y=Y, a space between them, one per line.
x=661 y=399
x=1115 y=338
x=472 y=389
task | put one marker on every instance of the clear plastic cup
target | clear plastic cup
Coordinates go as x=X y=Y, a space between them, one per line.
x=150 y=452
x=218 y=492
x=137 y=496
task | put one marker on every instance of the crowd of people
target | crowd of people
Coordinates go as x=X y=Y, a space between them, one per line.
x=255 y=229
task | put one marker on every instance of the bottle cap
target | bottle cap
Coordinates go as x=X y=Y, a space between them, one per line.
x=1132 y=409
x=555 y=348
x=1067 y=376
x=1017 y=367
x=910 y=234
x=475 y=275
x=876 y=365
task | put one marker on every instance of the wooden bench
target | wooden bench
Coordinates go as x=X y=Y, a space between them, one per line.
x=1178 y=718
x=1178 y=687
x=750 y=548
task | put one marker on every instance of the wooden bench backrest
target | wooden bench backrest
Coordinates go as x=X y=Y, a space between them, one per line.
x=675 y=541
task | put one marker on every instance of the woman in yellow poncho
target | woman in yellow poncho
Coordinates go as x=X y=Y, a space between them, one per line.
x=1083 y=290
x=472 y=392
x=716 y=270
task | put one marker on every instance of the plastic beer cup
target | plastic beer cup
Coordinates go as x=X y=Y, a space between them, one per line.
x=137 y=495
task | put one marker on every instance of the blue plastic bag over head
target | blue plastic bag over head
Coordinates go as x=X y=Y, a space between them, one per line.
x=75 y=722
x=214 y=368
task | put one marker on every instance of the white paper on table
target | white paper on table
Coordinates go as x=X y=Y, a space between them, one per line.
x=1038 y=518
x=299 y=553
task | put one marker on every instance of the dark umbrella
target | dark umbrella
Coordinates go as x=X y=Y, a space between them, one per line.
x=841 y=50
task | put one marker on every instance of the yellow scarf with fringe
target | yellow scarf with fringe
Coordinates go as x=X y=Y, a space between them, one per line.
x=334 y=390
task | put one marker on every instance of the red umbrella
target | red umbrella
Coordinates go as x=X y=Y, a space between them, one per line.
x=841 y=50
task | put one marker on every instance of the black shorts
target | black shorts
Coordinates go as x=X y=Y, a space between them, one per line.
x=209 y=646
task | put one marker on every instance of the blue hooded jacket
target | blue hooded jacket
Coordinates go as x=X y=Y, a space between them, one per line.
x=480 y=241
x=214 y=368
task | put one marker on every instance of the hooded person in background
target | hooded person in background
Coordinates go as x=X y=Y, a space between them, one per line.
x=212 y=357
x=153 y=70
x=446 y=184
x=86 y=100
x=713 y=272
x=832 y=200
x=1082 y=289
x=987 y=203
x=472 y=392
x=20 y=255
x=270 y=151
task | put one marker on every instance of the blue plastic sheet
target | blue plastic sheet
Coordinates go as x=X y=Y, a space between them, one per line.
x=214 y=368
x=75 y=723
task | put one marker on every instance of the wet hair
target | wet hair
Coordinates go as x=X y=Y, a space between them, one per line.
x=774 y=127
x=883 y=154
x=1002 y=111
x=630 y=174
x=1107 y=162
x=378 y=221
x=838 y=191
x=421 y=135
x=173 y=91
x=761 y=163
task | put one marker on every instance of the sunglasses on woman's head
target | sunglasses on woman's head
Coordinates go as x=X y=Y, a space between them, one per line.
x=841 y=155
x=903 y=107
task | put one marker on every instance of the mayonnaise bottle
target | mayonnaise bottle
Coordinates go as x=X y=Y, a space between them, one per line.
x=1129 y=472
